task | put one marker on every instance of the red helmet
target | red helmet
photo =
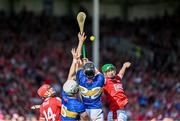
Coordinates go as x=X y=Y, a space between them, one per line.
x=42 y=90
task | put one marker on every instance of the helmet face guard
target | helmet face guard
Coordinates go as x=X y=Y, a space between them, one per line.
x=71 y=87
x=89 y=70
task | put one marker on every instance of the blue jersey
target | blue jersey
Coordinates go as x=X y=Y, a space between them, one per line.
x=71 y=108
x=90 y=90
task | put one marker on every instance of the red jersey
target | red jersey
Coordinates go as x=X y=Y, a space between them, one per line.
x=50 y=109
x=115 y=94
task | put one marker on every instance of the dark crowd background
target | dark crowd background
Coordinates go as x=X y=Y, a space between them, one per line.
x=35 y=49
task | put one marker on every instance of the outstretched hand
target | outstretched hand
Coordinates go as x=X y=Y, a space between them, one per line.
x=74 y=53
x=35 y=107
x=85 y=60
x=81 y=37
x=127 y=64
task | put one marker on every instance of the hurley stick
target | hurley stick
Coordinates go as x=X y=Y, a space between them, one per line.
x=81 y=19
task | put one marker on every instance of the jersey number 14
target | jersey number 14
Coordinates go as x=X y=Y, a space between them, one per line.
x=49 y=115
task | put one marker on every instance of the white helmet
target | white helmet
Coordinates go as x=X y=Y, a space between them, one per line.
x=70 y=87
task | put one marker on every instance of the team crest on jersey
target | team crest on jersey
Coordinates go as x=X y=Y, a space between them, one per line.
x=93 y=93
x=118 y=87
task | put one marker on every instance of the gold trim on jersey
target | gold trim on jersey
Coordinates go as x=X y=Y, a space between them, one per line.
x=67 y=113
x=93 y=93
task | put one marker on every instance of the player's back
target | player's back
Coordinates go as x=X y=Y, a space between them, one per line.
x=71 y=108
x=50 y=109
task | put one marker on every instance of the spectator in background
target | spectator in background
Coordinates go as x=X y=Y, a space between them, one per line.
x=34 y=52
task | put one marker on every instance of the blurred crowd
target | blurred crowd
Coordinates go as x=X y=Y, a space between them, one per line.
x=35 y=49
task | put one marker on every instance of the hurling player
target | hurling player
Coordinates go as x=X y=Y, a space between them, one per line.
x=91 y=83
x=50 y=109
x=114 y=91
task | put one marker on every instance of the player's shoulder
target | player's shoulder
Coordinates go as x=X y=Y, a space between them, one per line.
x=118 y=78
x=100 y=76
x=80 y=71
x=54 y=99
x=78 y=103
x=64 y=94
x=58 y=98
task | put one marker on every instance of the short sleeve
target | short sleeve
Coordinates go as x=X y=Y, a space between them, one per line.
x=118 y=78
x=58 y=102
x=101 y=78
x=118 y=75
x=79 y=74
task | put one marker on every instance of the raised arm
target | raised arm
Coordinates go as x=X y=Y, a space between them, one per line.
x=123 y=69
x=81 y=38
x=72 y=70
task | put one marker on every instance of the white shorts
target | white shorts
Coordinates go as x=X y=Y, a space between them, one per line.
x=95 y=114
x=121 y=115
